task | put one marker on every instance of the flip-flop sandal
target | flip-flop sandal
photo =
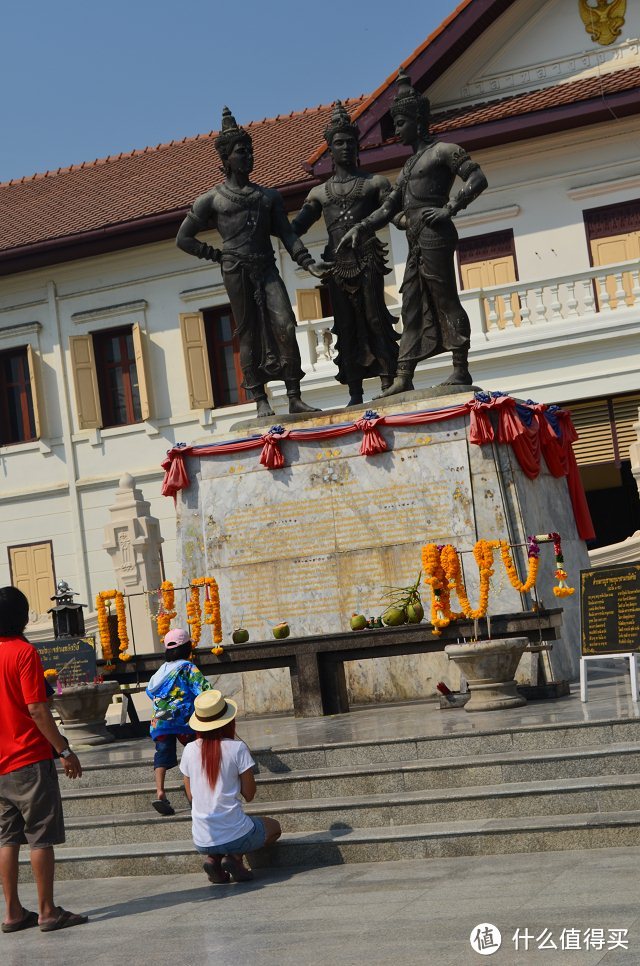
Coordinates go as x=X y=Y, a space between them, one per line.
x=163 y=806
x=28 y=920
x=237 y=870
x=64 y=921
x=215 y=874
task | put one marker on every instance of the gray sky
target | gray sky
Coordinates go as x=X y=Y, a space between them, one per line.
x=82 y=79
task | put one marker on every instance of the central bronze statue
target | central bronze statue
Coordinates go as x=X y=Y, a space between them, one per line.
x=246 y=215
x=433 y=318
x=366 y=341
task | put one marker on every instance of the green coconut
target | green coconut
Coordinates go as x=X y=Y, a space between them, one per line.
x=415 y=612
x=358 y=622
x=240 y=635
x=280 y=631
x=394 y=616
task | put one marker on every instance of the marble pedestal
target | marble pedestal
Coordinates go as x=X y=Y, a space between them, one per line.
x=322 y=537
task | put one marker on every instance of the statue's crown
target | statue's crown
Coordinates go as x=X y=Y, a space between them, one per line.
x=230 y=133
x=407 y=101
x=340 y=123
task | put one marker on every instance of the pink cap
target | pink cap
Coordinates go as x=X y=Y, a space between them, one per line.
x=175 y=638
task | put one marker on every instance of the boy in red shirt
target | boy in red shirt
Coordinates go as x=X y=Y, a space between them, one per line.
x=30 y=803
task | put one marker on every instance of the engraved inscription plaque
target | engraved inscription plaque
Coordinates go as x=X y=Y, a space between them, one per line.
x=610 y=608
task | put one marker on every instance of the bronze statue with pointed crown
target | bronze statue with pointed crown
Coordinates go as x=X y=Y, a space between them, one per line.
x=246 y=215
x=365 y=338
x=433 y=318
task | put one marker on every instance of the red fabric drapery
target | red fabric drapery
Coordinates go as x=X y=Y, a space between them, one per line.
x=527 y=427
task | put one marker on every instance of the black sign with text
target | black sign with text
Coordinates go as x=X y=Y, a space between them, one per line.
x=610 y=609
x=74 y=658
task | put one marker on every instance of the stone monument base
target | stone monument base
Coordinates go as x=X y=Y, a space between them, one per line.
x=328 y=533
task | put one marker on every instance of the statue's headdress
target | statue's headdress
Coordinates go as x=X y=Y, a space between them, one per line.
x=408 y=102
x=230 y=134
x=340 y=123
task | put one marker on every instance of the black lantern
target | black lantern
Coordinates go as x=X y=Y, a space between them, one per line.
x=68 y=620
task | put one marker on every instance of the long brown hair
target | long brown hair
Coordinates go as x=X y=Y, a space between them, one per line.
x=211 y=750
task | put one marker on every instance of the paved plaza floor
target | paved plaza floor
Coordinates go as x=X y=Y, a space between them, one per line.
x=399 y=913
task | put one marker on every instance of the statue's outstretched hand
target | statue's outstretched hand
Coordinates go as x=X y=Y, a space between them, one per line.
x=320 y=269
x=431 y=216
x=350 y=238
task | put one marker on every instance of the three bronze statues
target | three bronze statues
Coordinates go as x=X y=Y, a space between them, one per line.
x=354 y=204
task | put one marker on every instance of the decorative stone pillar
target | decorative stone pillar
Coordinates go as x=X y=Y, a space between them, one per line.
x=133 y=542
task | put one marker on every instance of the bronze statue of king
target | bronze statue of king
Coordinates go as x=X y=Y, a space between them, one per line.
x=433 y=318
x=246 y=215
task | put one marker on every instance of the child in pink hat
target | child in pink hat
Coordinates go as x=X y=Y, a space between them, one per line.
x=173 y=690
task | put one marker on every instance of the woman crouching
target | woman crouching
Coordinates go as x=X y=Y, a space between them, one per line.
x=218 y=769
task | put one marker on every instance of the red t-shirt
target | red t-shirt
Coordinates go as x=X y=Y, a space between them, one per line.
x=21 y=683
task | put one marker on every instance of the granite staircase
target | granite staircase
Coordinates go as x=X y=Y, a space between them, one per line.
x=525 y=789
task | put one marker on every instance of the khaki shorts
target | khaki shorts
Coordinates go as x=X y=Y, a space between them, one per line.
x=31 y=807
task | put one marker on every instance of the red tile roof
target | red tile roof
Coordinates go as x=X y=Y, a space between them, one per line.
x=126 y=187
x=587 y=88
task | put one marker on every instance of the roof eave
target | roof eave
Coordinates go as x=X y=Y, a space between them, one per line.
x=519 y=127
x=112 y=238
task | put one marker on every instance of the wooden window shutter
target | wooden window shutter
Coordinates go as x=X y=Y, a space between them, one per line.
x=309 y=304
x=36 y=391
x=593 y=425
x=85 y=380
x=196 y=357
x=625 y=414
x=140 y=356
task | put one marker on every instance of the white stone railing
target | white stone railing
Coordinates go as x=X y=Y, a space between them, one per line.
x=604 y=290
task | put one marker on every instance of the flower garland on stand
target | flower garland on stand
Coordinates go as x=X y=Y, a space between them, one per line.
x=211 y=608
x=483 y=554
x=167 y=608
x=563 y=589
x=441 y=565
x=194 y=614
x=533 y=558
x=435 y=577
x=103 y=627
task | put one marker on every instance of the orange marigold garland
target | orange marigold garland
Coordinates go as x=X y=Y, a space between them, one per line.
x=533 y=563
x=211 y=607
x=483 y=553
x=194 y=614
x=167 y=608
x=103 y=627
x=435 y=577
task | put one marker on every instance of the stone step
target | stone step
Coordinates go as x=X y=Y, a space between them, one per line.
x=337 y=846
x=136 y=766
x=371 y=779
x=568 y=796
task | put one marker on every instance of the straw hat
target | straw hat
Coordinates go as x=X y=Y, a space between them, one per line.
x=212 y=710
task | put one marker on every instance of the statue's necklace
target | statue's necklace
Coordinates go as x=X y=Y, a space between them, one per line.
x=246 y=199
x=346 y=201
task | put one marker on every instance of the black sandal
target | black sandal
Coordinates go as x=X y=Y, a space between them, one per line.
x=64 y=921
x=28 y=920
x=163 y=806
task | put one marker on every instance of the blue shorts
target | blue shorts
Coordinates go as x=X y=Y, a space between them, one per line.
x=249 y=842
x=166 y=749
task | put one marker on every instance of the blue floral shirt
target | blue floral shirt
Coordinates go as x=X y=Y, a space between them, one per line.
x=173 y=689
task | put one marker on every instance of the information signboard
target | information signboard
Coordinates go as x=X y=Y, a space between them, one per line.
x=74 y=658
x=610 y=609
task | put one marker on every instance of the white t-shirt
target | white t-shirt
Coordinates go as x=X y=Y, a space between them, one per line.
x=216 y=813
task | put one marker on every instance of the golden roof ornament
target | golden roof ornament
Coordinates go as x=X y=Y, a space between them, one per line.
x=604 y=20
